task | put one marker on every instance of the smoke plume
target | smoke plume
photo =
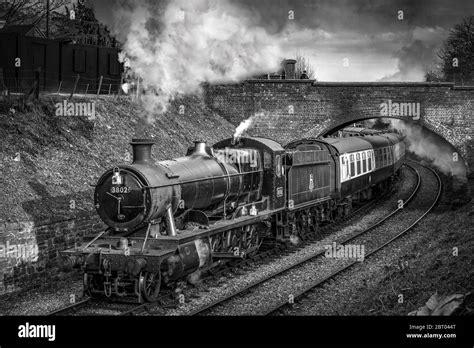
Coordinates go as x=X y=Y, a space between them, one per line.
x=177 y=45
x=433 y=148
x=259 y=119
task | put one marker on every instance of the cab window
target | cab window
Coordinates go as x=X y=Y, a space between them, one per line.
x=278 y=165
x=267 y=160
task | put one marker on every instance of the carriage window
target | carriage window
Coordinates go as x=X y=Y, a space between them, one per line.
x=358 y=164
x=364 y=163
x=369 y=160
x=278 y=165
x=345 y=168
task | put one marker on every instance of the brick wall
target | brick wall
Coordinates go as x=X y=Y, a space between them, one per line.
x=298 y=108
x=29 y=252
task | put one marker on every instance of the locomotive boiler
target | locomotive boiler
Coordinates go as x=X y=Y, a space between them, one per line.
x=173 y=218
x=131 y=196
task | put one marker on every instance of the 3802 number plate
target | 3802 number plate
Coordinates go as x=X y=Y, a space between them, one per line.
x=120 y=189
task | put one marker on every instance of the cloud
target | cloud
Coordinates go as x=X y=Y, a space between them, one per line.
x=419 y=55
x=368 y=32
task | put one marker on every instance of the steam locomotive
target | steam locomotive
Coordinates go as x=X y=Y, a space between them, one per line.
x=171 y=219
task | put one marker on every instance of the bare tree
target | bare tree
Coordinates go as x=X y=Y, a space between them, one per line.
x=456 y=58
x=433 y=76
x=82 y=28
x=302 y=64
x=457 y=55
x=19 y=12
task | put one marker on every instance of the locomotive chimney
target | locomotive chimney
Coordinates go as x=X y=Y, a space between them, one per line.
x=142 y=151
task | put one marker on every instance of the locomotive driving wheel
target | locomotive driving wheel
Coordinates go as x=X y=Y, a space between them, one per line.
x=86 y=284
x=238 y=240
x=251 y=238
x=150 y=284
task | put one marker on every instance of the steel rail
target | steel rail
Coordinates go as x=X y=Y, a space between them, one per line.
x=374 y=251
x=309 y=258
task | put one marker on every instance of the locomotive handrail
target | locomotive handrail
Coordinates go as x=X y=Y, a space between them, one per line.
x=202 y=179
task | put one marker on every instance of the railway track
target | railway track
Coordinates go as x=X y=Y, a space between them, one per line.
x=97 y=306
x=241 y=303
x=101 y=306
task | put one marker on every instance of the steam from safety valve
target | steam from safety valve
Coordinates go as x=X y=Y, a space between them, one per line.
x=262 y=118
x=242 y=128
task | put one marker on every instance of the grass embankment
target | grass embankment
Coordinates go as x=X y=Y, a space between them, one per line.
x=59 y=156
x=438 y=258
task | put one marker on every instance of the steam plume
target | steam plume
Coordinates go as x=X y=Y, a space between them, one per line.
x=262 y=118
x=177 y=45
x=242 y=127
x=427 y=145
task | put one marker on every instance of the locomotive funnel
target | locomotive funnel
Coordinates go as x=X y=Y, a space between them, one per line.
x=142 y=151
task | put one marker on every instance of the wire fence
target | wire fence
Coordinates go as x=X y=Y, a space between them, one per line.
x=20 y=86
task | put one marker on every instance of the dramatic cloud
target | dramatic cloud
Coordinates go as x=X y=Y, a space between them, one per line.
x=369 y=34
x=419 y=55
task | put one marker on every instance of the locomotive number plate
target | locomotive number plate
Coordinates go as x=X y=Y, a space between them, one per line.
x=120 y=189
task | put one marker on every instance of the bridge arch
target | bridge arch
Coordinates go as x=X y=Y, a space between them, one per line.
x=304 y=108
x=446 y=155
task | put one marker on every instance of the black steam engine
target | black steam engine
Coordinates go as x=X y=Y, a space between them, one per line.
x=173 y=218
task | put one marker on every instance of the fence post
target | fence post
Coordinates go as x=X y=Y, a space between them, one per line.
x=3 y=87
x=37 y=82
x=110 y=87
x=138 y=87
x=87 y=88
x=119 y=92
x=59 y=88
x=34 y=87
x=100 y=85
x=75 y=86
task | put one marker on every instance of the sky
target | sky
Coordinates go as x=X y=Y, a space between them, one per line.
x=377 y=44
x=344 y=40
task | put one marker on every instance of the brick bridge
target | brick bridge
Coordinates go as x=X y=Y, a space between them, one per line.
x=291 y=109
